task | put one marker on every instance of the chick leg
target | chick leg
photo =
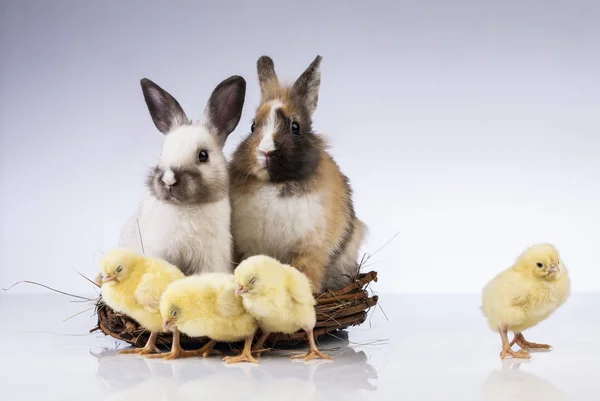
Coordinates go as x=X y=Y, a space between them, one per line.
x=245 y=356
x=177 y=352
x=314 y=352
x=208 y=349
x=507 y=350
x=521 y=342
x=258 y=347
x=147 y=349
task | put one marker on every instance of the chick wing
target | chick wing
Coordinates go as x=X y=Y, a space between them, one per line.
x=149 y=291
x=299 y=287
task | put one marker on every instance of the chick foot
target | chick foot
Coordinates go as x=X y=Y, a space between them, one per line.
x=521 y=354
x=141 y=351
x=208 y=349
x=178 y=353
x=314 y=352
x=259 y=346
x=521 y=342
x=149 y=348
x=258 y=351
x=506 y=347
x=245 y=356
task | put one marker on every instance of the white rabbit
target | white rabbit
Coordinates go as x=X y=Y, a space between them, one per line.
x=185 y=218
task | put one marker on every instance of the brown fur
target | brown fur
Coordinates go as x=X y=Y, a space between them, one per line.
x=334 y=241
x=314 y=252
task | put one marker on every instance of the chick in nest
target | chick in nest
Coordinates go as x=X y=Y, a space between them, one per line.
x=133 y=284
x=206 y=306
x=280 y=298
x=524 y=295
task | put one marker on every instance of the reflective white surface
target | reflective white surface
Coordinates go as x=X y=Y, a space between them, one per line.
x=430 y=347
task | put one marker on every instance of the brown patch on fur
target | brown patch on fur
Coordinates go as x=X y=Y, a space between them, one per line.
x=272 y=90
x=304 y=168
x=262 y=113
x=311 y=262
x=314 y=253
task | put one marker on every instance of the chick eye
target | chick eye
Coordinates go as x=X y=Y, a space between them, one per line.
x=252 y=127
x=174 y=313
x=252 y=280
x=203 y=156
x=295 y=128
x=119 y=269
x=539 y=265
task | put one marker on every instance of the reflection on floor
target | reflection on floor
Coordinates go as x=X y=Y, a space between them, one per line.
x=513 y=384
x=425 y=347
x=140 y=378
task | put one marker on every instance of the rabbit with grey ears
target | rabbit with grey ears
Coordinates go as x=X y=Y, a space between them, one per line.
x=290 y=199
x=185 y=218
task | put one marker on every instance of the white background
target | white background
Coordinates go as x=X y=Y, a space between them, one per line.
x=469 y=127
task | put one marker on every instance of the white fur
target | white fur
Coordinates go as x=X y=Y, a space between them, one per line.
x=197 y=237
x=265 y=223
x=199 y=234
x=267 y=143
x=181 y=146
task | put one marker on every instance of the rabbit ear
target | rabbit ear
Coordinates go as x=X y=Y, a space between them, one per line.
x=266 y=73
x=166 y=112
x=307 y=85
x=224 y=108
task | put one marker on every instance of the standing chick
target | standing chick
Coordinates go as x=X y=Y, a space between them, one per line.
x=280 y=299
x=524 y=295
x=207 y=305
x=133 y=284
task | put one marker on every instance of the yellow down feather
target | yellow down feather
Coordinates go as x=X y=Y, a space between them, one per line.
x=528 y=292
x=206 y=305
x=278 y=295
x=138 y=285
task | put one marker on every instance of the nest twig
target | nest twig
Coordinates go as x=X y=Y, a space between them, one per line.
x=336 y=310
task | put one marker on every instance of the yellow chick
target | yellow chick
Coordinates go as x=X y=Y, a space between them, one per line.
x=133 y=284
x=524 y=295
x=280 y=298
x=206 y=305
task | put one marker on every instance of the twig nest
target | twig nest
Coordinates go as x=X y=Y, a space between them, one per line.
x=336 y=310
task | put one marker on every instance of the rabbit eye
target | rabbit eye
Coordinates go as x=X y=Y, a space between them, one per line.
x=295 y=128
x=203 y=156
x=539 y=265
x=252 y=127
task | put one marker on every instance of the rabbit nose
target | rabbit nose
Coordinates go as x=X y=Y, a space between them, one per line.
x=266 y=155
x=169 y=178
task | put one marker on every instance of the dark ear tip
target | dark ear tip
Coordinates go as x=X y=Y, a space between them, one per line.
x=237 y=80
x=147 y=84
x=318 y=59
x=265 y=61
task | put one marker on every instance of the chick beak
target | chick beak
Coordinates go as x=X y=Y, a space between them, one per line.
x=240 y=290
x=167 y=324
x=108 y=279
x=553 y=268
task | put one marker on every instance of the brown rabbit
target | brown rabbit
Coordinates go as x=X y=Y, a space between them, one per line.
x=289 y=198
